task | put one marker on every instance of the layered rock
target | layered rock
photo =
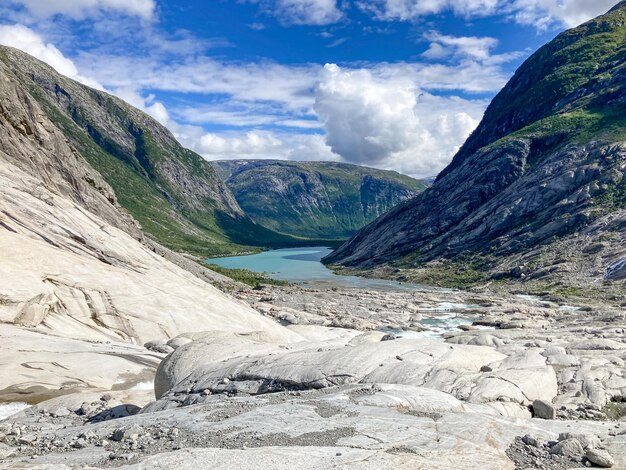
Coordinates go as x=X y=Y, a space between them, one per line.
x=72 y=265
x=541 y=181
x=173 y=192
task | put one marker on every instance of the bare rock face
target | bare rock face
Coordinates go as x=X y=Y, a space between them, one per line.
x=32 y=143
x=195 y=371
x=73 y=267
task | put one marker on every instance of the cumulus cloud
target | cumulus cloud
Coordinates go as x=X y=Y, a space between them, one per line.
x=389 y=122
x=569 y=13
x=382 y=114
x=256 y=144
x=148 y=103
x=27 y=40
x=302 y=12
x=385 y=115
x=538 y=13
x=79 y=9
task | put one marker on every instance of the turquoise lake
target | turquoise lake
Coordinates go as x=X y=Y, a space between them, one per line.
x=303 y=266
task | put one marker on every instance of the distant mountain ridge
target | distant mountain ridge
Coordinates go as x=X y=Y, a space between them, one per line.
x=539 y=187
x=314 y=199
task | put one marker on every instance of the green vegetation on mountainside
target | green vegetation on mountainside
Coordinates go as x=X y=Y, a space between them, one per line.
x=537 y=194
x=583 y=68
x=246 y=276
x=315 y=199
x=171 y=191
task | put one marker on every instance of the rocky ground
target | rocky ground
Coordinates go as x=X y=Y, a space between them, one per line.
x=374 y=382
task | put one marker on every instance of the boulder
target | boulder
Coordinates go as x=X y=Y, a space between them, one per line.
x=449 y=368
x=600 y=457
x=543 y=409
x=569 y=448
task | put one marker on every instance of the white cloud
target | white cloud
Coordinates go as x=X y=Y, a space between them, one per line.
x=538 y=13
x=569 y=13
x=390 y=116
x=382 y=114
x=240 y=114
x=291 y=86
x=389 y=122
x=444 y=46
x=302 y=12
x=403 y=10
x=81 y=8
x=254 y=144
x=27 y=40
x=148 y=104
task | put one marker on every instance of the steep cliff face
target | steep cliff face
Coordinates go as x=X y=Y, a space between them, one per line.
x=31 y=142
x=173 y=192
x=315 y=199
x=545 y=168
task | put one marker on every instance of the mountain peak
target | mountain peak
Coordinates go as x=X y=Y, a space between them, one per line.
x=570 y=72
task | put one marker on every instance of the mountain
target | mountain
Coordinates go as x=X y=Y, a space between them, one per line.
x=539 y=187
x=81 y=289
x=173 y=192
x=325 y=200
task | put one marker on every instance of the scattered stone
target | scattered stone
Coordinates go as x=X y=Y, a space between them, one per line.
x=131 y=432
x=569 y=448
x=6 y=451
x=600 y=457
x=586 y=440
x=79 y=443
x=543 y=409
x=60 y=412
x=531 y=441
x=27 y=439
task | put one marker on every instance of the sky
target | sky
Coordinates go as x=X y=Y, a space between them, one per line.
x=392 y=84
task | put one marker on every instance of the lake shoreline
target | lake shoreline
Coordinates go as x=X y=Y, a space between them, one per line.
x=303 y=266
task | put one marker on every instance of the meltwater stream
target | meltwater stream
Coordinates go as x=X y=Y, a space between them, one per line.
x=303 y=266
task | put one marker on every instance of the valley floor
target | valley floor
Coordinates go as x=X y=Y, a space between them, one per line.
x=368 y=379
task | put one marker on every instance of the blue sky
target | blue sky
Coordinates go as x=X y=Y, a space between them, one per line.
x=396 y=84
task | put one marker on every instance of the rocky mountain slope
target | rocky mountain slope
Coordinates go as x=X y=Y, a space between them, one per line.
x=78 y=288
x=173 y=192
x=314 y=199
x=539 y=188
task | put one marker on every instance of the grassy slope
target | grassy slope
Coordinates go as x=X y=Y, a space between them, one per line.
x=582 y=68
x=158 y=205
